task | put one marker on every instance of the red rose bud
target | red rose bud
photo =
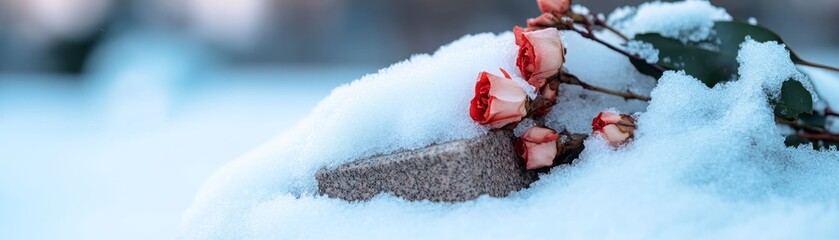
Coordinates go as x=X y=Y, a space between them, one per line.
x=540 y=56
x=498 y=101
x=537 y=146
x=616 y=129
x=558 y=7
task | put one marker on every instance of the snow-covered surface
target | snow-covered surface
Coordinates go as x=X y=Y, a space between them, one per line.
x=706 y=163
x=689 y=20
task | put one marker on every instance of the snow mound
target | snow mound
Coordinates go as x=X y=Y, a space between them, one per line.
x=409 y=105
x=689 y=20
x=707 y=163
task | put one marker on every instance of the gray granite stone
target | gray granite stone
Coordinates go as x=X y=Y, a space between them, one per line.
x=454 y=171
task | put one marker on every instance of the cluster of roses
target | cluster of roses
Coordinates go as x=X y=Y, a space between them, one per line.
x=501 y=102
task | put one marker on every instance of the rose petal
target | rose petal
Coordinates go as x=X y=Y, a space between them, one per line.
x=540 y=154
x=540 y=135
x=506 y=104
x=548 y=51
x=479 y=104
x=506 y=89
x=614 y=135
x=603 y=119
x=554 y=6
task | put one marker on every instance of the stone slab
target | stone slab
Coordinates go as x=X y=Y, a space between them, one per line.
x=454 y=171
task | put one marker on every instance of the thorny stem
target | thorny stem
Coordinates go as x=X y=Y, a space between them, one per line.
x=573 y=80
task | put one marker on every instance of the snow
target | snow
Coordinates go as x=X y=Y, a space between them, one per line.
x=690 y=20
x=580 y=9
x=644 y=50
x=523 y=126
x=706 y=163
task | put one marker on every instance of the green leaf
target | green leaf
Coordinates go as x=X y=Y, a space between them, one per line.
x=709 y=66
x=731 y=34
x=715 y=60
x=645 y=69
x=794 y=100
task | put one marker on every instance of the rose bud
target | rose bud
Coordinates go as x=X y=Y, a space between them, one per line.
x=554 y=6
x=498 y=100
x=616 y=129
x=540 y=56
x=543 y=21
x=537 y=146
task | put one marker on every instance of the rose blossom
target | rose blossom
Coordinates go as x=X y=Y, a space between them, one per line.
x=537 y=146
x=498 y=101
x=616 y=129
x=554 y=6
x=540 y=56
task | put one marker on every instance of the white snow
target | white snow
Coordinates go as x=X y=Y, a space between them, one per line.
x=580 y=9
x=643 y=49
x=707 y=163
x=689 y=20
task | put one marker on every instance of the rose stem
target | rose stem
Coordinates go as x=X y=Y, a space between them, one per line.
x=799 y=126
x=603 y=24
x=573 y=80
x=819 y=136
x=591 y=36
x=816 y=65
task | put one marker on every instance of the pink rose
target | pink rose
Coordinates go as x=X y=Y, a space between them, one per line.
x=616 y=129
x=554 y=6
x=498 y=101
x=537 y=146
x=541 y=54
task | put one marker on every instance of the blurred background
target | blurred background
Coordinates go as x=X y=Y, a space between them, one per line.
x=112 y=112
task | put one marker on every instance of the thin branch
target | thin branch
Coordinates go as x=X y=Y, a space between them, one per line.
x=816 y=65
x=829 y=112
x=603 y=24
x=819 y=136
x=589 y=35
x=799 y=126
x=573 y=80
